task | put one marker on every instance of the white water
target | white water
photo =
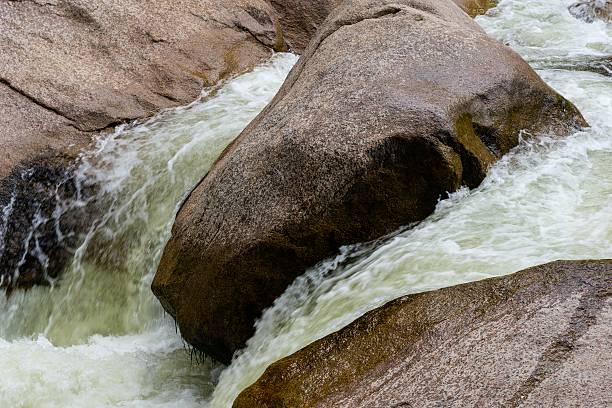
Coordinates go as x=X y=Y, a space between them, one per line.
x=99 y=338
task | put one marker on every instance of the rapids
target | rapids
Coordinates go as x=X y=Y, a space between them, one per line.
x=99 y=338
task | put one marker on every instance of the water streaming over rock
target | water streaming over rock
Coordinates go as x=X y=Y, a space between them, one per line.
x=99 y=339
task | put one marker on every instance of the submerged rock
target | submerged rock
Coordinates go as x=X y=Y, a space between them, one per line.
x=540 y=337
x=71 y=69
x=476 y=7
x=598 y=65
x=38 y=224
x=393 y=105
x=591 y=10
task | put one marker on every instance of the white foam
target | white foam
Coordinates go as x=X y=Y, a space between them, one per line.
x=99 y=337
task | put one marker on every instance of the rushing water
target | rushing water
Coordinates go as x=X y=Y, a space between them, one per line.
x=99 y=338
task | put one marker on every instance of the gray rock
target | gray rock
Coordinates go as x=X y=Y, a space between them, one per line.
x=538 y=338
x=592 y=10
x=394 y=104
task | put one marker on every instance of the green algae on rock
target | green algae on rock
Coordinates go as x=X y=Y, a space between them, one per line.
x=476 y=7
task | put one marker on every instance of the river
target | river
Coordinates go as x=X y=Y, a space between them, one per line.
x=99 y=337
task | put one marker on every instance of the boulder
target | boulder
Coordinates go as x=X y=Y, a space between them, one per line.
x=538 y=338
x=300 y=19
x=393 y=105
x=70 y=69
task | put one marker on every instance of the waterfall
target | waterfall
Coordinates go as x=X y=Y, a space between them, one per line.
x=98 y=336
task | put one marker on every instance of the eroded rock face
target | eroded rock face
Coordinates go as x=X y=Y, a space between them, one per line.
x=95 y=64
x=540 y=337
x=72 y=68
x=394 y=104
x=300 y=19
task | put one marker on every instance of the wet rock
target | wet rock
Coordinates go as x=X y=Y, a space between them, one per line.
x=540 y=337
x=42 y=218
x=476 y=7
x=70 y=69
x=393 y=105
x=598 y=65
x=592 y=10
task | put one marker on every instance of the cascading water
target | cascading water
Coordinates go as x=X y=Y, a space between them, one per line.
x=99 y=339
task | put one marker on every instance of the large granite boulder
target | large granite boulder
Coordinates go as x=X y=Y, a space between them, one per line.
x=393 y=105
x=70 y=69
x=538 y=338
x=300 y=19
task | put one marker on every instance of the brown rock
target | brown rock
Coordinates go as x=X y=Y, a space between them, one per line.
x=300 y=19
x=394 y=104
x=476 y=7
x=87 y=65
x=538 y=338
x=72 y=68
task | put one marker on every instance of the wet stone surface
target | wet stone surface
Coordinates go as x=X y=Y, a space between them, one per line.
x=44 y=214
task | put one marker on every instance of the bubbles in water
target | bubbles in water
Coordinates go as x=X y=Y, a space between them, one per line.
x=544 y=30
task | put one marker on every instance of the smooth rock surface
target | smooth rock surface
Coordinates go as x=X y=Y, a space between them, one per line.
x=87 y=65
x=394 y=104
x=72 y=68
x=539 y=338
